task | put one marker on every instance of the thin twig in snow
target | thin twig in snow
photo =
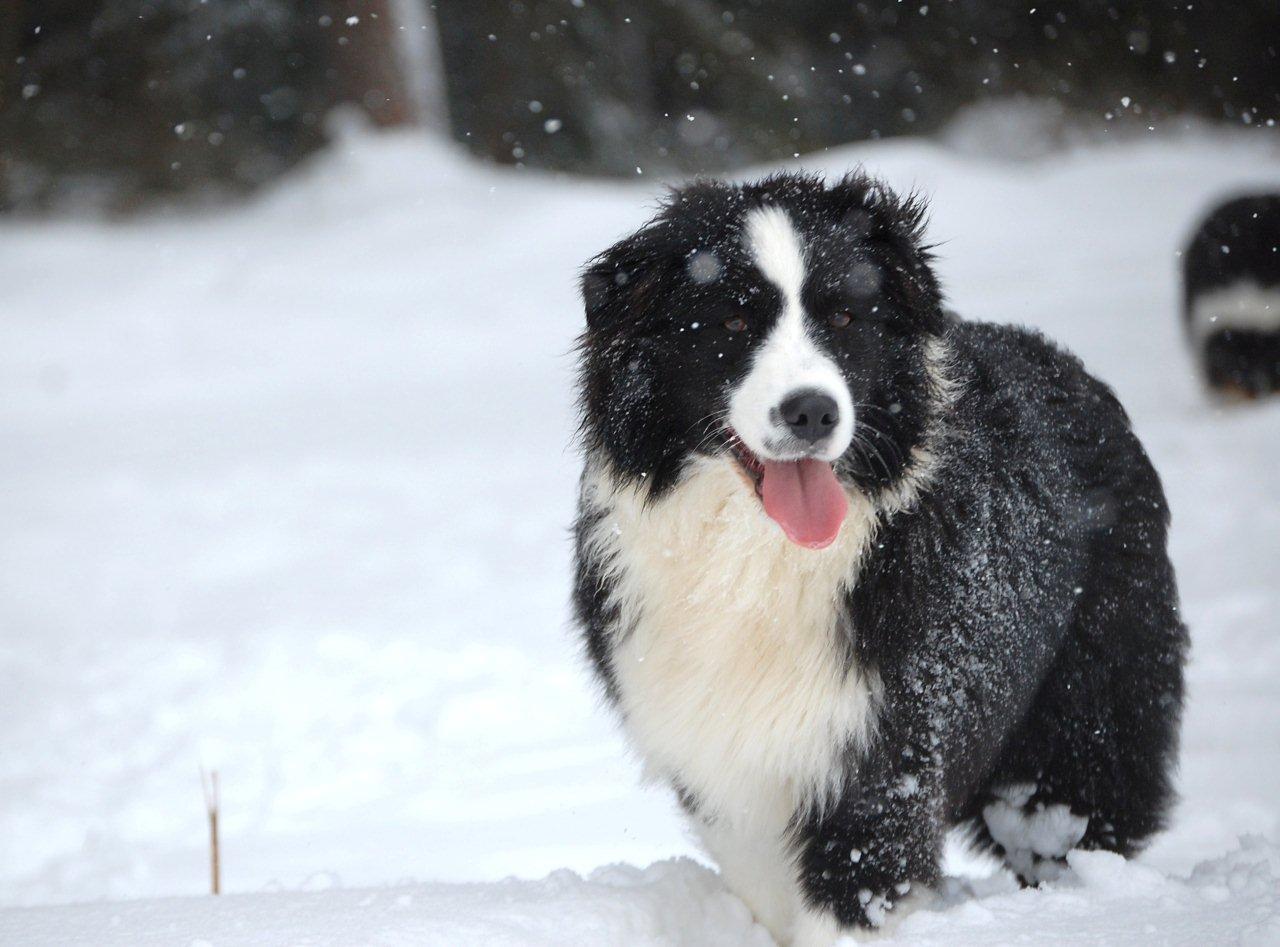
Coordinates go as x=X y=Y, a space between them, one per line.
x=212 y=800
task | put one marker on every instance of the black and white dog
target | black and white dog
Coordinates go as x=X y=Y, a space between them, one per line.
x=854 y=571
x=1231 y=302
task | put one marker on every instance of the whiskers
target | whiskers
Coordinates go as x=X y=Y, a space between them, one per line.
x=711 y=427
x=868 y=440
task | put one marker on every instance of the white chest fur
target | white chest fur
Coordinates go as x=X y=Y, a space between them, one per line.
x=731 y=670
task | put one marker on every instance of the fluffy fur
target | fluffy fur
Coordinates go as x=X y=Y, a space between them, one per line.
x=1231 y=306
x=729 y=678
x=991 y=640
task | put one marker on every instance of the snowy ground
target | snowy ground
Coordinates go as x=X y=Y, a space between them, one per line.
x=285 y=492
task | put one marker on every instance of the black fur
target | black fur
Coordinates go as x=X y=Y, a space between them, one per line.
x=1025 y=621
x=1022 y=615
x=1239 y=241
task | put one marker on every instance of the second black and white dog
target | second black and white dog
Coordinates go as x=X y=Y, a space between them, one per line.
x=853 y=571
x=1231 y=295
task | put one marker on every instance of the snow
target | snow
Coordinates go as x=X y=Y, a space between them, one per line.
x=1231 y=899
x=672 y=902
x=1032 y=842
x=285 y=493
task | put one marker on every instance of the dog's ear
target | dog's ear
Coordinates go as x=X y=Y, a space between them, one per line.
x=602 y=284
x=614 y=283
x=876 y=212
x=893 y=226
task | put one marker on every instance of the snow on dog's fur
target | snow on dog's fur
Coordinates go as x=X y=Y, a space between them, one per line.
x=849 y=568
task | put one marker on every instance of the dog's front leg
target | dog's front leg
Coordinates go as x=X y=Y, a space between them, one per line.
x=864 y=854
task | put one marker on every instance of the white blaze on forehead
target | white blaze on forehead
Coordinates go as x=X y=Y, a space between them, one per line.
x=778 y=253
x=788 y=360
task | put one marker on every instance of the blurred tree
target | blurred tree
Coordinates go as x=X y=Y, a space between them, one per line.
x=114 y=100
x=129 y=98
x=697 y=85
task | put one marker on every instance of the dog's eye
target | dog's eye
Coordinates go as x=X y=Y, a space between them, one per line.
x=735 y=324
x=840 y=319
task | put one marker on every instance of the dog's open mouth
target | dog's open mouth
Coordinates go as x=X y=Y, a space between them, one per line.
x=802 y=496
x=750 y=464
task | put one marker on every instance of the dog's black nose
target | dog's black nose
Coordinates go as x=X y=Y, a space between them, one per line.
x=810 y=415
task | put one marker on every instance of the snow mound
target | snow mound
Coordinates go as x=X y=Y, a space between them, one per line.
x=1105 y=899
x=1102 y=900
x=675 y=902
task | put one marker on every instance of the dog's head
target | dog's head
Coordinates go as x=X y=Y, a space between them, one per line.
x=783 y=324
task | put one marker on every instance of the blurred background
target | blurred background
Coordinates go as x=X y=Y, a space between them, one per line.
x=287 y=313
x=120 y=101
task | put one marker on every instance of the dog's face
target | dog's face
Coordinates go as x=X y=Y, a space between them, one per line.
x=781 y=324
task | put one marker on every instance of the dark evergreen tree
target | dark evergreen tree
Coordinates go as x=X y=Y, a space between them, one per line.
x=144 y=96
x=137 y=97
x=763 y=79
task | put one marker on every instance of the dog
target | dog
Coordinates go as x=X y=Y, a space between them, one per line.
x=853 y=571
x=1231 y=296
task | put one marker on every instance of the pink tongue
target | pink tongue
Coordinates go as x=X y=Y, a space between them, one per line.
x=806 y=500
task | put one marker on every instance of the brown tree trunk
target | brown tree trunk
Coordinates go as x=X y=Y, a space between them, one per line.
x=365 y=60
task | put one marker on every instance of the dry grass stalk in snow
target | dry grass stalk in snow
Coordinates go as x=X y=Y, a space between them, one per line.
x=209 y=782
